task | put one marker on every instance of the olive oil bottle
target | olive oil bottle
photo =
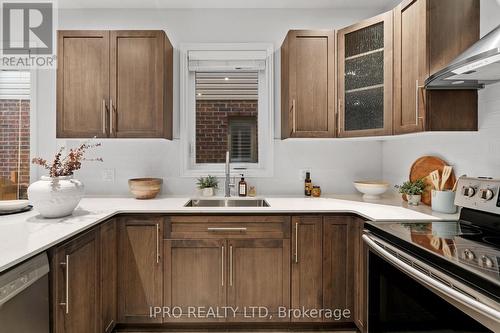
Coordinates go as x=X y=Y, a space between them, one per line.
x=308 y=185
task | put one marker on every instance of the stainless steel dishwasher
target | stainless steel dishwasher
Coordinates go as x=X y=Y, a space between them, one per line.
x=24 y=297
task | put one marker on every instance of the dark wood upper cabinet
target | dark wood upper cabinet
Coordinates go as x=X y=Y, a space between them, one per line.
x=140 y=268
x=365 y=54
x=308 y=84
x=338 y=264
x=307 y=264
x=428 y=35
x=82 y=84
x=109 y=257
x=114 y=84
x=76 y=285
x=141 y=62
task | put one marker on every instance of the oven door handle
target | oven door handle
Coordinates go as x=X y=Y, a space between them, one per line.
x=472 y=303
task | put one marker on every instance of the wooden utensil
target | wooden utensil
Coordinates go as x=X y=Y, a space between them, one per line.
x=454 y=189
x=422 y=167
x=446 y=174
x=434 y=175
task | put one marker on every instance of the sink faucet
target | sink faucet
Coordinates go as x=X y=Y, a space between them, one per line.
x=228 y=184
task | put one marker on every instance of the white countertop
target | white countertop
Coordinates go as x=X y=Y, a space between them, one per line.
x=25 y=235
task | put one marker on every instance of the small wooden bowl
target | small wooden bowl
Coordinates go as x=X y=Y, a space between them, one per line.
x=145 y=188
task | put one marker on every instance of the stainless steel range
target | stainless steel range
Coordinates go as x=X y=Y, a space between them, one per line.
x=438 y=276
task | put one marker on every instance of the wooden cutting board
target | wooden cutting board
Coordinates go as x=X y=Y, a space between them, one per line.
x=422 y=167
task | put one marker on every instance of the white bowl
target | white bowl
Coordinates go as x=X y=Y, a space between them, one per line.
x=10 y=205
x=372 y=190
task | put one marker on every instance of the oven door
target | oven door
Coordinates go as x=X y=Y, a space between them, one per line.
x=406 y=295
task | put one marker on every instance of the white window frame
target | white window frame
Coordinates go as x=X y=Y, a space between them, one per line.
x=265 y=122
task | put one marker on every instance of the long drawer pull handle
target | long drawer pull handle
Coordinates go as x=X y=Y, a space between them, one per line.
x=66 y=296
x=103 y=112
x=223 y=229
x=297 y=242
x=222 y=265
x=230 y=265
x=111 y=116
x=417 y=91
x=157 y=243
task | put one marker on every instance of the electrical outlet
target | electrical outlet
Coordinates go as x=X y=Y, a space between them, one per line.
x=302 y=173
x=108 y=175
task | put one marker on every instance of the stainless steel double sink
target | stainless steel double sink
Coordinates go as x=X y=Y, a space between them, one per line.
x=229 y=202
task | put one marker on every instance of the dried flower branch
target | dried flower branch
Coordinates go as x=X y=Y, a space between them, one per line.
x=67 y=165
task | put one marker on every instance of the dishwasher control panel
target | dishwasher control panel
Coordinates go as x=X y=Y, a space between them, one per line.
x=17 y=279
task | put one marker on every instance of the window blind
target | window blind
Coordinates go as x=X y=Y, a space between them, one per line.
x=243 y=139
x=15 y=85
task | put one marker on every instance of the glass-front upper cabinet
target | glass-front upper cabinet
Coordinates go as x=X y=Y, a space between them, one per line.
x=365 y=77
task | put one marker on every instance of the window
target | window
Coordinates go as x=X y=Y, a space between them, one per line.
x=224 y=102
x=227 y=105
x=15 y=106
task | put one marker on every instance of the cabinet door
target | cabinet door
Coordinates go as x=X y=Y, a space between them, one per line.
x=140 y=278
x=365 y=77
x=108 y=236
x=195 y=276
x=307 y=263
x=82 y=84
x=410 y=66
x=360 y=288
x=76 y=285
x=138 y=84
x=259 y=275
x=308 y=71
x=338 y=265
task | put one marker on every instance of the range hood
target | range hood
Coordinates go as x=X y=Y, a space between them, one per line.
x=476 y=67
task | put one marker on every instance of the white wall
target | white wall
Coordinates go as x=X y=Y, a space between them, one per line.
x=474 y=154
x=334 y=163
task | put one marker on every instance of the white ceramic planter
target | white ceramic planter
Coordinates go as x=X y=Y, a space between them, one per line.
x=55 y=197
x=207 y=192
x=443 y=202
x=414 y=200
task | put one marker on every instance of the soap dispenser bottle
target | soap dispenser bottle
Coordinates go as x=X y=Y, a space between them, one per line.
x=242 y=187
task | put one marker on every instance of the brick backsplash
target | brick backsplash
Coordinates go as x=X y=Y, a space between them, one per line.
x=212 y=126
x=9 y=140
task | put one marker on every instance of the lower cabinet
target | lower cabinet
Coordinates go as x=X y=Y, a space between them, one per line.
x=307 y=264
x=109 y=257
x=258 y=276
x=140 y=268
x=360 y=283
x=114 y=273
x=323 y=267
x=338 y=265
x=236 y=263
x=195 y=276
x=76 y=279
x=84 y=282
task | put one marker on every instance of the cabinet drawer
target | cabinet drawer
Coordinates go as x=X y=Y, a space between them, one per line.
x=206 y=227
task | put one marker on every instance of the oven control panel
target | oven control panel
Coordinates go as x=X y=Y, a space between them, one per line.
x=479 y=193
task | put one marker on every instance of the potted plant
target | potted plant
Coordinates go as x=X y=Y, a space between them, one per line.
x=207 y=185
x=58 y=194
x=412 y=190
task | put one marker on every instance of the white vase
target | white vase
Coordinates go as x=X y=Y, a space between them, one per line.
x=414 y=200
x=55 y=197
x=207 y=192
